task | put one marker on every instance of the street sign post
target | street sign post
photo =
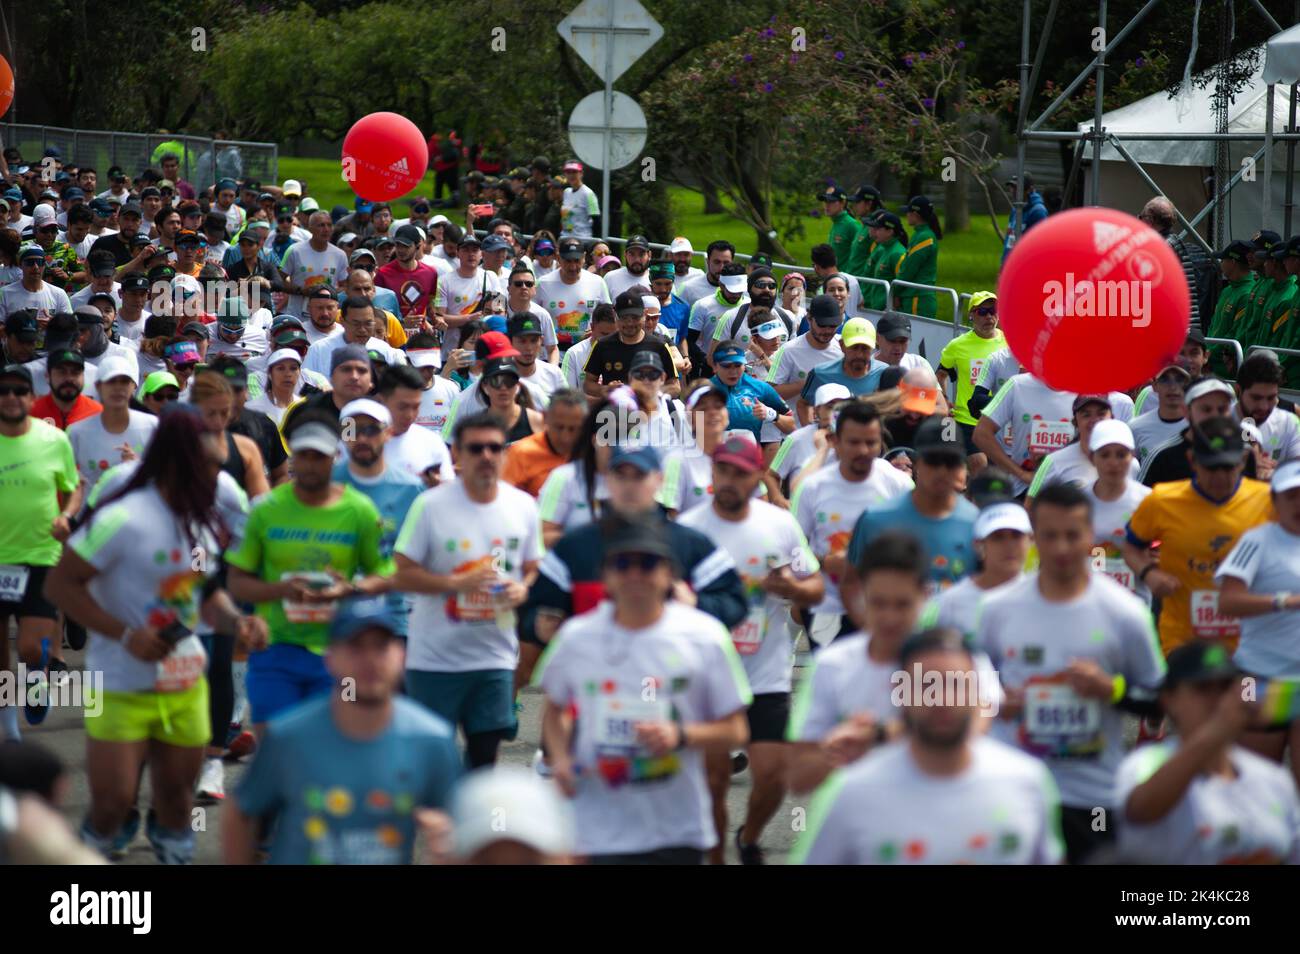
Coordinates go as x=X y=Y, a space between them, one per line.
x=609 y=36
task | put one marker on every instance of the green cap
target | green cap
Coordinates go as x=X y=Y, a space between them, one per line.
x=159 y=380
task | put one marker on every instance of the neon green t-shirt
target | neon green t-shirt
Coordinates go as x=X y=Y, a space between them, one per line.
x=285 y=537
x=34 y=470
x=964 y=357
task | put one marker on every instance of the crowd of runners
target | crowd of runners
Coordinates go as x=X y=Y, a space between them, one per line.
x=339 y=494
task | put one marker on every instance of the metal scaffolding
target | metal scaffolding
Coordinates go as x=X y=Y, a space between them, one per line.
x=1099 y=136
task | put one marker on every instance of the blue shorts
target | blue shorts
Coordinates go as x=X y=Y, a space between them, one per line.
x=478 y=701
x=281 y=676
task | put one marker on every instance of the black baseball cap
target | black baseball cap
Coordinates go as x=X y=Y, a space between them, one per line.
x=322 y=291
x=990 y=486
x=864 y=192
x=888 y=220
x=892 y=326
x=101 y=263
x=1264 y=240
x=629 y=302
x=500 y=366
x=636 y=535
x=1237 y=250
x=468 y=239
x=918 y=203
x=523 y=323
x=1198 y=661
x=1083 y=400
x=150 y=192
x=23 y=325
x=140 y=240
x=65 y=356
x=571 y=249
x=638 y=241
x=407 y=235
x=17 y=371
x=131 y=208
x=89 y=314
x=824 y=310
x=1218 y=443
x=831 y=194
x=162 y=273
x=135 y=281
x=940 y=435
x=646 y=359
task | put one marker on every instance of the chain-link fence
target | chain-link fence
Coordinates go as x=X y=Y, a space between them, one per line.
x=202 y=160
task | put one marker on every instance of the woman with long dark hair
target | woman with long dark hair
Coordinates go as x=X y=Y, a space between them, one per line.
x=500 y=392
x=139 y=575
x=920 y=264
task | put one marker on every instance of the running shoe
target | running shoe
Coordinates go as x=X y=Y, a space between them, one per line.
x=58 y=672
x=749 y=854
x=37 y=711
x=739 y=762
x=212 y=782
x=243 y=743
x=125 y=835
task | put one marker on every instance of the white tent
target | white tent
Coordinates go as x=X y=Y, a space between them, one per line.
x=1182 y=169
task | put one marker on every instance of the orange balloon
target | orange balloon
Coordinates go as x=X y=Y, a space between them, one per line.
x=6 y=85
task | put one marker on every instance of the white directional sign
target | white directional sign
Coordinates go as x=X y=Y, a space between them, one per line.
x=626 y=131
x=610 y=35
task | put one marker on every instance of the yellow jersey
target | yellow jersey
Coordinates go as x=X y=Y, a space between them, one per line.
x=1195 y=535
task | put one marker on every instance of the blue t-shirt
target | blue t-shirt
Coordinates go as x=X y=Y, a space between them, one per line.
x=349 y=801
x=673 y=318
x=385 y=298
x=392 y=493
x=739 y=407
x=833 y=373
x=948 y=541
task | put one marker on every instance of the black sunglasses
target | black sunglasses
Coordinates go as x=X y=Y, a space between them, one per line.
x=523 y=284
x=986 y=310
x=369 y=430
x=645 y=562
x=478 y=447
x=20 y=390
x=770 y=286
x=647 y=374
x=502 y=381
x=165 y=397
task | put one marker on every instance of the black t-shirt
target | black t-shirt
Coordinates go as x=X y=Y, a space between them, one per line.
x=115 y=244
x=611 y=357
x=1170 y=463
x=262 y=430
x=322 y=401
x=901 y=433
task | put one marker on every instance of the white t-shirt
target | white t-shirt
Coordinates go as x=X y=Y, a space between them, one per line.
x=1267 y=559
x=40 y=370
x=146 y=575
x=797 y=357
x=843 y=682
x=1069 y=465
x=1030 y=640
x=305 y=267
x=1150 y=431
x=543 y=382
x=1281 y=433
x=96 y=450
x=436 y=402
x=131 y=331
x=563 y=497
x=1253 y=818
x=446 y=532
x=76 y=299
x=957 y=607
x=998 y=368
x=679 y=281
x=314 y=334
x=115 y=350
x=457 y=295
x=321 y=353
x=252 y=342
x=796 y=450
x=417 y=450
x=620 y=280
x=48 y=301
x=682 y=666
x=696 y=287
x=1110 y=529
x=827 y=507
x=577 y=209
x=1040 y=419
x=575 y=359
x=767 y=539
x=705 y=314
x=570 y=306
x=1003 y=809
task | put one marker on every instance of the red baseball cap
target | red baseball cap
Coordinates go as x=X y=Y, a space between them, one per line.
x=493 y=344
x=739 y=452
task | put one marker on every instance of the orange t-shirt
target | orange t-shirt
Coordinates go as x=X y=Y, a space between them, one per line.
x=529 y=462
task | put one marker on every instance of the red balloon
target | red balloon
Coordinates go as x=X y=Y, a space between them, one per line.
x=384 y=156
x=1093 y=300
x=6 y=85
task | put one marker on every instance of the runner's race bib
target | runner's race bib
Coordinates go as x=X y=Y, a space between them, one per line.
x=13 y=583
x=747 y=635
x=1060 y=724
x=1120 y=572
x=297 y=612
x=1208 y=621
x=620 y=759
x=1048 y=436
x=975 y=367
x=182 y=667
x=477 y=606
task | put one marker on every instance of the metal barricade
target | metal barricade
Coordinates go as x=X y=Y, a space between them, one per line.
x=1235 y=345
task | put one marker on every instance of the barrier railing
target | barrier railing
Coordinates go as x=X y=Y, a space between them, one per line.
x=1234 y=344
x=203 y=159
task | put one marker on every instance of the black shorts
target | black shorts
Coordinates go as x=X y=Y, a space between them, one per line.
x=968 y=436
x=33 y=605
x=768 y=715
x=1081 y=838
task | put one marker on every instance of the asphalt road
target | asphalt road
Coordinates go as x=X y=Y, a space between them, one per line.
x=62 y=732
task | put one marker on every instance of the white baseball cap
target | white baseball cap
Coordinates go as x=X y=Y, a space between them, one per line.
x=680 y=244
x=510 y=803
x=366 y=407
x=1001 y=516
x=1208 y=386
x=650 y=302
x=1286 y=477
x=316 y=437
x=117 y=366
x=282 y=354
x=425 y=358
x=43 y=215
x=1111 y=431
x=347 y=237
x=771 y=329
x=734 y=283
x=291 y=187
x=439 y=219
x=831 y=392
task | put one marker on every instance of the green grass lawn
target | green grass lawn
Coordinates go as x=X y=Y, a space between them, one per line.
x=968 y=261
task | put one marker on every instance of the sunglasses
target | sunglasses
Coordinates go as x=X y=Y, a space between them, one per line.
x=986 y=310
x=19 y=390
x=48 y=228
x=33 y=263
x=164 y=397
x=523 y=284
x=1218 y=467
x=369 y=430
x=645 y=562
x=769 y=286
x=476 y=448
x=942 y=460
x=501 y=381
x=647 y=374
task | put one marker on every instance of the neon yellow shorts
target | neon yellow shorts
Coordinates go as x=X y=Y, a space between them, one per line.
x=175 y=718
